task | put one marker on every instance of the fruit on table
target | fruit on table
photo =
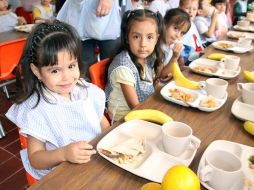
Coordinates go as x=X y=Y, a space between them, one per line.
x=249 y=127
x=249 y=75
x=216 y=56
x=151 y=186
x=181 y=80
x=152 y=115
x=180 y=177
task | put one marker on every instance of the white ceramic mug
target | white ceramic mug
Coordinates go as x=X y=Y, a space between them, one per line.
x=247 y=90
x=222 y=170
x=230 y=62
x=177 y=137
x=243 y=23
x=244 y=42
x=215 y=87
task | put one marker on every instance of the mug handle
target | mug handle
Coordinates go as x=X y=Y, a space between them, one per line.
x=206 y=173
x=222 y=63
x=195 y=143
x=239 y=86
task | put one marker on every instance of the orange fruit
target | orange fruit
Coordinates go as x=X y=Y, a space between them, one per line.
x=151 y=186
x=180 y=177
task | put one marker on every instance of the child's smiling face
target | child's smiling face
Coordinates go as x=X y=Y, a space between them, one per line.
x=4 y=5
x=175 y=32
x=191 y=7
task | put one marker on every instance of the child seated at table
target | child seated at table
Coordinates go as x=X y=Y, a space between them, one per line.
x=43 y=11
x=191 y=40
x=134 y=72
x=57 y=110
x=8 y=19
x=206 y=21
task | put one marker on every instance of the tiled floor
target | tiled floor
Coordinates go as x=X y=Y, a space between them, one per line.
x=12 y=173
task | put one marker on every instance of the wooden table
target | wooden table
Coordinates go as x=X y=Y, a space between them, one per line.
x=12 y=35
x=101 y=174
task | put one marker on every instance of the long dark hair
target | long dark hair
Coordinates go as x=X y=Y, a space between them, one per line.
x=140 y=15
x=41 y=49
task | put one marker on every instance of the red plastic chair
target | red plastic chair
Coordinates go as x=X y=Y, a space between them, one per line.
x=97 y=73
x=10 y=53
x=23 y=142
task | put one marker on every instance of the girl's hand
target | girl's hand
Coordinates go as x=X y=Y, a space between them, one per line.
x=21 y=21
x=104 y=7
x=78 y=152
x=177 y=50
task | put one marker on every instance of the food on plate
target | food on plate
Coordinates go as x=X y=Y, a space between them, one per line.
x=249 y=127
x=251 y=161
x=205 y=69
x=181 y=95
x=237 y=34
x=126 y=152
x=225 y=45
x=152 y=115
x=209 y=102
x=181 y=80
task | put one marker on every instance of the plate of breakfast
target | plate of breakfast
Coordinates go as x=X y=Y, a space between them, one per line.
x=210 y=67
x=191 y=98
x=25 y=28
x=231 y=46
x=243 y=152
x=136 y=146
x=244 y=28
x=238 y=34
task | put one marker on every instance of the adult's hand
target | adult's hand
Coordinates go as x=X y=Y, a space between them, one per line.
x=104 y=7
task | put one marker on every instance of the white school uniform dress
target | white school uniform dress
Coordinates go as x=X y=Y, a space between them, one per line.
x=160 y=6
x=8 y=22
x=60 y=122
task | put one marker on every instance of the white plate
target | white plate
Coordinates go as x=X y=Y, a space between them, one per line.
x=233 y=47
x=247 y=28
x=25 y=28
x=198 y=96
x=155 y=162
x=242 y=110
x=237 y=34
x=214 y=65
x=243 y=152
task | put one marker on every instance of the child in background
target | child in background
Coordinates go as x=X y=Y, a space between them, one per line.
x=160 y=5
x=43 y=11
x=206 y=21
x=223 y=23
x=177 y=23
x=8 y=19
x=58 y=111
x=134 y=72
x=191 y=40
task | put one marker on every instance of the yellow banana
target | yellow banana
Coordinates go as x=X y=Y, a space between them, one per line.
x=152 y=115
x=216 y=56
x=180 y=79
x=249 y=127
x=249 y=75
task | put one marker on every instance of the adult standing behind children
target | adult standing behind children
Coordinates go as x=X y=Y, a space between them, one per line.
x=134 y=72
x=98 y=23
x=57 y=110
x=43 y=11
x=206 y=21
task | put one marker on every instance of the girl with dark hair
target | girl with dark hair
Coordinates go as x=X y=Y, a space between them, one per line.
x=133 y=73
x=57 y=110
x=177 y=23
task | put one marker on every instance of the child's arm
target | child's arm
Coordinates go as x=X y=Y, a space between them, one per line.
x=130 y=95
x=211 y=29
x=21 y=21
x=78 y=152
x=104 y=123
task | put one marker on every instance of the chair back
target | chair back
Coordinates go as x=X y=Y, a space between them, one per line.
x=97 y=73
x=10 y=54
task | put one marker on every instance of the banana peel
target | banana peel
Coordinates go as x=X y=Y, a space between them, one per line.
x=216 y=56
x=248 y=75
x=249 y=127
x=181 y=80
x=151 y=115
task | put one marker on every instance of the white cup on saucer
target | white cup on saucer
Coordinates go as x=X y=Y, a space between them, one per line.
x=243 y=23
x=244 y=42
x=215 y=87
x=222 y=170
x=230 y=62
x=247 y=90
x=177 y=138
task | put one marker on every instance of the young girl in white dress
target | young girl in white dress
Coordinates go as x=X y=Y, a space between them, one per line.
x=58 y=111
